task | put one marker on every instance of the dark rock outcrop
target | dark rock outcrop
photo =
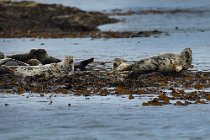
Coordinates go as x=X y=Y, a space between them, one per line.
x=29 y=17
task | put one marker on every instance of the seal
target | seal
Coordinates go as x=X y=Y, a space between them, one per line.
x=60 y=69
x=2 y=55
x=166 y=62
x=39 y=54
x=11 y=62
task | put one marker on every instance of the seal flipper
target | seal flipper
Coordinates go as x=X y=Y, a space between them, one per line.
x=82 y=65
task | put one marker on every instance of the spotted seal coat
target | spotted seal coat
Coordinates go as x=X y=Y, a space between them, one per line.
x=60 y=69
x=167 y=62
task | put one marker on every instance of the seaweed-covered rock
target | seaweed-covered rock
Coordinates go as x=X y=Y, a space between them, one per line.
x=31 y=17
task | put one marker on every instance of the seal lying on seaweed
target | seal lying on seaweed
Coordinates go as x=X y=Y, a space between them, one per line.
x=60 y=69
x=167 y=62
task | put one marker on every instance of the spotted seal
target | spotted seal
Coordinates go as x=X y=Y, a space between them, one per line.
x=166 y=62
x=60 y=69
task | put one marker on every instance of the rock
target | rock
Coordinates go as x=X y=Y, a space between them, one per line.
x=34 y=62
x=31 y=17
x=164 y=98
x=131 y=97
x=179 y=103
x=208 y=97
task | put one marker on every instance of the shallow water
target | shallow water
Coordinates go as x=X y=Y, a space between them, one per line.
x=114 y=117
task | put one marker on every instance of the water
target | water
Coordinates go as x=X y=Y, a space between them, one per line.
x=114 y=117
x=97 y=117
x=107 y=5
x=131 y=49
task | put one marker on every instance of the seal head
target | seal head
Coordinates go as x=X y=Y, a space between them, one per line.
x=119 y=64
x=2 y=55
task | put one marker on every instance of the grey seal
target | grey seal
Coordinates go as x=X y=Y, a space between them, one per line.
x=60 y=69
x=166 y=62
x=39 y=54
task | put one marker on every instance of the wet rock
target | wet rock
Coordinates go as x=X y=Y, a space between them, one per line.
x=200 y=102
x=208 y=97
x=163 y=97
x=20 y=90
x=198 y=86
x=179 y=103
x=33 y=62
x=103 y=92
x=154 y=102
x=131 y=97
x=42 y=94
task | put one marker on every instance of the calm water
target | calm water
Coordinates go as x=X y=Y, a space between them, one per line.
x=114 y=117
x=101 y=5
x=97 y=117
